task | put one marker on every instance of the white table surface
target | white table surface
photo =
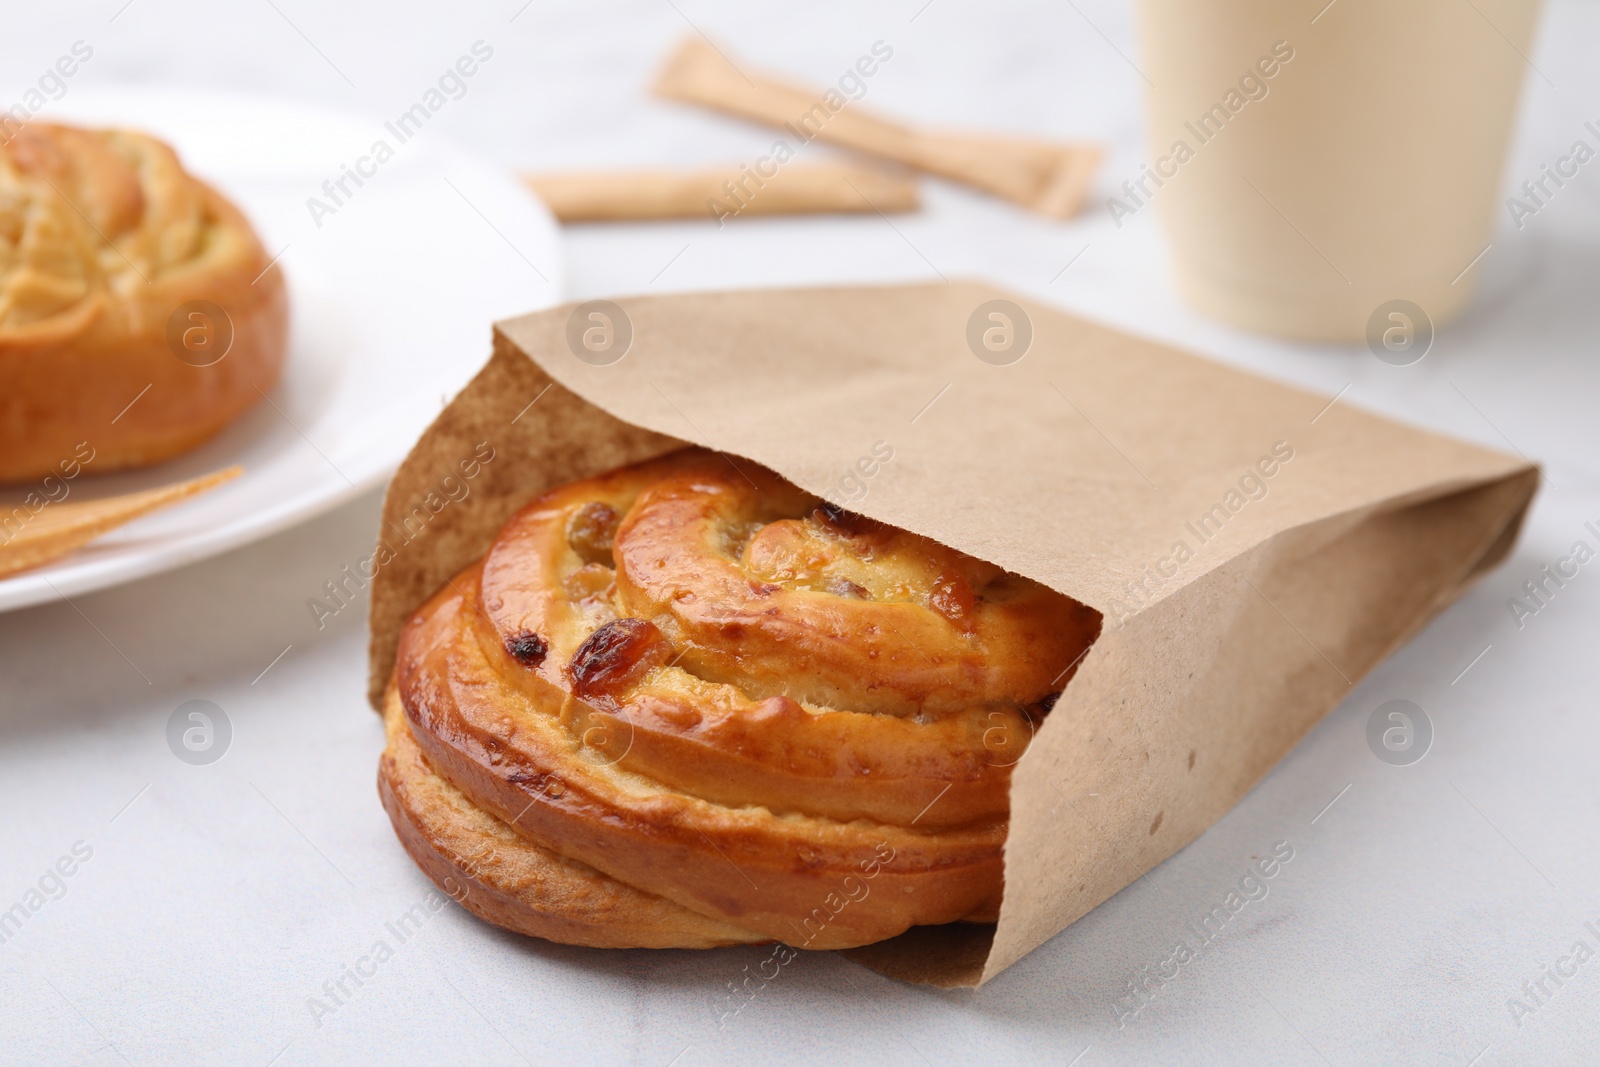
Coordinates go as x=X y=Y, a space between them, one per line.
x=219 y=898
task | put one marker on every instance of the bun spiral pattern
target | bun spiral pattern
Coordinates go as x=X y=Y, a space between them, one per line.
x=103 y=238
x=687 y=704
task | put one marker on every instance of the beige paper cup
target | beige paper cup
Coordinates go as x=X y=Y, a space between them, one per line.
x=1316 y=164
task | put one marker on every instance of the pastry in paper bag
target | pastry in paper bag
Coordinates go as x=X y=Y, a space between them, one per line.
x=577 y=750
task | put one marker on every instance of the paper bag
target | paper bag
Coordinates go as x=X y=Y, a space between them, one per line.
x=1254 y=549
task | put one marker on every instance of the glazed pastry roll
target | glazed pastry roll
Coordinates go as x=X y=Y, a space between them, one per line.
x=687 y=704
x=138 y=316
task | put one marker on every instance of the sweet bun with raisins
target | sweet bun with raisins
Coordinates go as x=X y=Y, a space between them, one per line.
x=687 y=704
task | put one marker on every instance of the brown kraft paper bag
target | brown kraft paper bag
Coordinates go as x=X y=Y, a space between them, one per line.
x=1254 y=549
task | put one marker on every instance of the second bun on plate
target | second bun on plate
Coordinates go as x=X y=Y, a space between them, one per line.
x=687 y=704
x=137 y=313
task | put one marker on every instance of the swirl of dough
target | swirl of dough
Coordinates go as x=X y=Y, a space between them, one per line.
x=756 y=706
x=103 y=237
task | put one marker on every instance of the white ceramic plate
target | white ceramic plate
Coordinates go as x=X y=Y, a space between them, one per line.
x=392 y=299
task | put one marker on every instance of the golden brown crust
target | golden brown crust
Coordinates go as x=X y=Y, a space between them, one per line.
x=103 y=238
x=506 y=879
x=772 y=714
